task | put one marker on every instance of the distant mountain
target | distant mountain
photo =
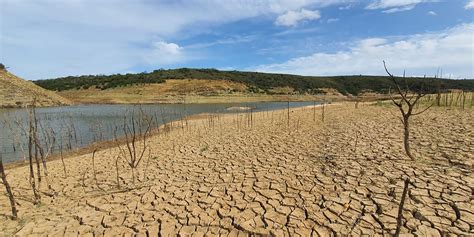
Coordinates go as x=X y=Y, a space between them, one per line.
x=264 y=83
x=16 y=92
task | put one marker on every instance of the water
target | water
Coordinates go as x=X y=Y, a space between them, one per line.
x=81 y=125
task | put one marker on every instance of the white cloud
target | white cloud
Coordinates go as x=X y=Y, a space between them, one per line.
x=167 y=48
x=470 y=5
x=331 y=20
x=451 y=50
x=432 y=13
x=392 y=6
x=292 y=18
x=399 y=9
x=163 y=53
x=232 y=40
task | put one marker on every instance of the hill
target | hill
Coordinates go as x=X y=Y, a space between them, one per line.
x=16 y=92
x=108 y=87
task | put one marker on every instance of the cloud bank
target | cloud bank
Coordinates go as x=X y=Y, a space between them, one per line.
x=451 y=49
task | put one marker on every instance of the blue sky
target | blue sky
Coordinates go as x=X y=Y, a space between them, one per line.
x=52 y=38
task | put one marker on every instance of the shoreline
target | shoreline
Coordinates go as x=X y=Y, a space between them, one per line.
x=164 y=128
x=217 y=99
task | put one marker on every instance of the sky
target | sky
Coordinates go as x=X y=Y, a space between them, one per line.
x=42 y=39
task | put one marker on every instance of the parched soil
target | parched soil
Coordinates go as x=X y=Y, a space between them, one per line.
x=221 y=176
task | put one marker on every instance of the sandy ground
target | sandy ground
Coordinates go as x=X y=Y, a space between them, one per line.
x=220 y=176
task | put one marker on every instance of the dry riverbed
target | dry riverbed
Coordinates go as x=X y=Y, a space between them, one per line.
x=221 y=176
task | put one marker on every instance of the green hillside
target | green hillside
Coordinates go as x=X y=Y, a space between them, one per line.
x=256 y=82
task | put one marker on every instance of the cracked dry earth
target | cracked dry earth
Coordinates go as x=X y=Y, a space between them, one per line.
x=222 y=177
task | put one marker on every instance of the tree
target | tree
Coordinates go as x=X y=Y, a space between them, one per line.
x=8 y=189
x=136 y=130
x=406 y=106
x=2 y=67
x=31 y=146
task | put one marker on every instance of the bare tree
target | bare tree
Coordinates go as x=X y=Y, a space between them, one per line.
x=314 y=111
x=31 y=146
x=93 y=167
x=323 y=108
x=117 y=171
x=62 y=158
x=406 y=106
x=8 y=189
x=136 y=131
x=43 y=154
x=288 y=113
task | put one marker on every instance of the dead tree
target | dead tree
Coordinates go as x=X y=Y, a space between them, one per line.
x=288 y=113
x=34 y=133
x=8 y=189
x=136 y=131
x=323 y=108
x=117 y=171
x=44 y=155
x=31 y=146
x=62 y=158
x=93 y=167
x=406 y=106
x=314 y=111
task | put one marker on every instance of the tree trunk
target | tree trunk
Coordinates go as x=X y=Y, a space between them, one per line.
x=38 y=169
x=117 y=170
x=314 y=111
x=438 y=99
x=30 y=158
x=322 y=112
x=288 y=120
x=62 y=161
x=406 y=137
x=8 y=189
x=37 y=146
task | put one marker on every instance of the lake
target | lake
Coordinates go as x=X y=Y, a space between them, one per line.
x=81 y=125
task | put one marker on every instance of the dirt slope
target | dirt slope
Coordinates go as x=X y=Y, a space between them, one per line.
x=171 y=91
x=16 y=92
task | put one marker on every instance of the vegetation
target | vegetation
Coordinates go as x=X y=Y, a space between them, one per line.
x=406 y=105
x=99 y=81
x=256 y=82
x=8 y=189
